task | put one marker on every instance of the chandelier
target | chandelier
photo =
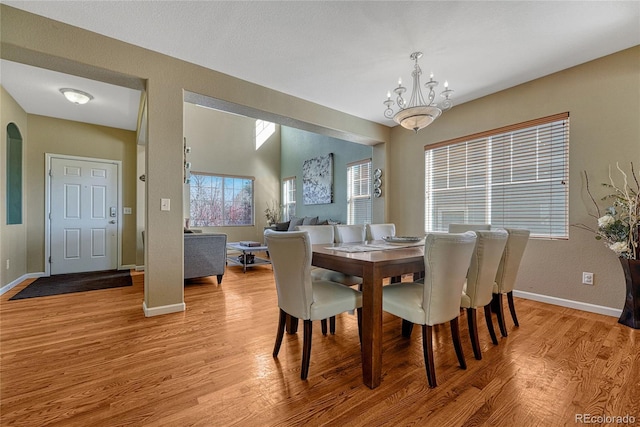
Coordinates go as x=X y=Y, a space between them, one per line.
x=418 y=113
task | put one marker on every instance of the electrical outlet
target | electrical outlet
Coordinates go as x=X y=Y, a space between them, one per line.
x=587 y=278
x=7 y=264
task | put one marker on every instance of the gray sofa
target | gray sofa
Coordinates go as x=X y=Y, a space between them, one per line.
x=205 y=254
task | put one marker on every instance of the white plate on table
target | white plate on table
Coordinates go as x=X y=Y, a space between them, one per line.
x=402 y=240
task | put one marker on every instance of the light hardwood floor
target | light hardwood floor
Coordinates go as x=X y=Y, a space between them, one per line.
x=93 y=359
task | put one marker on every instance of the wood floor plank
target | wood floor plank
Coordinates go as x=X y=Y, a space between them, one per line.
x=92 y=358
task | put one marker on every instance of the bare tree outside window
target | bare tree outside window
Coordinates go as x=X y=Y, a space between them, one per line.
x=220 y=201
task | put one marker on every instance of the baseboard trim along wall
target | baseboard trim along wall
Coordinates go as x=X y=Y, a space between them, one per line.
x=164 y=309
x=9 y=286
x=592 y=308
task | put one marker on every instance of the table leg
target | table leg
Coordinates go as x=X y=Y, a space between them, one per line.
x=371 y=327
x=244 y=262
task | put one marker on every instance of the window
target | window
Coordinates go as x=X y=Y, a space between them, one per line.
x=289 y=197
x=220 y=200
x=359 y=192
x=516 y=176
x=14 y=175
x=263 y=131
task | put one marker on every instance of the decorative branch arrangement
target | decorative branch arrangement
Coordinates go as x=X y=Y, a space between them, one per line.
x=618 y=227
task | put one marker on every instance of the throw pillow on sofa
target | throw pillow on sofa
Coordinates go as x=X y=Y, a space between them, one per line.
x=308 y=220
x=294 y=223
x=282 y=226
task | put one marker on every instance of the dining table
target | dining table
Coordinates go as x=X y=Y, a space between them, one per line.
x=373 y=261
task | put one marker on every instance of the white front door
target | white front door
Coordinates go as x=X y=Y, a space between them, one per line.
x=84 y=216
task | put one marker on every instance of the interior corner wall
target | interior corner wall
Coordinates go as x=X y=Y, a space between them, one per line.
x=298 y=146
x=56 y=136
x=603 y=100
x=13 y=238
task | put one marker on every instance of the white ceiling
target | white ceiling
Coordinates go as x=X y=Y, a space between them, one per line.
x=346 y=55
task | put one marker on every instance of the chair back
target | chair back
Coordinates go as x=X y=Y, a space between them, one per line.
x=484 y=266
x=461 y=228
x=511 y=258
x=349 y=233
x=378 y=231
x=290 y=253
x=318 y=233
x=446 y=260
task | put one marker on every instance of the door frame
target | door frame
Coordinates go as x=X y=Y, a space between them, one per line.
x=47 y=205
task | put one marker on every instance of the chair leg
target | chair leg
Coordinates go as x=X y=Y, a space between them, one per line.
x=359 y=314
x=396 y=279
x=489 y=319
x=496 y=307
x=427 y=349
x=281 y=322
x=407 y=328
x=292 y=324
x=219 y=276
x=332 y=325
x=457 y=344
x=306 y=349
x=512 y=308
x=473 y=332
x=323 y=322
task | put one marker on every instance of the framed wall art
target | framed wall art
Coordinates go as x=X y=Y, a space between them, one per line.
x=317 y=180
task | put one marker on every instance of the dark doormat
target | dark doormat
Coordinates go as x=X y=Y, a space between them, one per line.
x=76 y=282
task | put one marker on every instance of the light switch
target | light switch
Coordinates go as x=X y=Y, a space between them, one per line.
x=126 y=211
x=165 y=204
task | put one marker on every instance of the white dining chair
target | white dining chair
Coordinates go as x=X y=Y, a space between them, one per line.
x=324 y=234
x=461 y=228
x=478 y=289
x=378 y=231
x=507 y=274
x=349 y=233
x=436 y=300
x=301 y=297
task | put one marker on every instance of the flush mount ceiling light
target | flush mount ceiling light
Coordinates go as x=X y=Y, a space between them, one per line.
x=418 y=113
x=76 y=96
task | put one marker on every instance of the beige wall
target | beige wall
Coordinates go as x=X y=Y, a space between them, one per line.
x=224 y=144
x=55 y=136
x=13 y=238
x=34 y=40
x=603 y=99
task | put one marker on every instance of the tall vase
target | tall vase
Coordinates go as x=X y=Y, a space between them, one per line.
x=631 y=312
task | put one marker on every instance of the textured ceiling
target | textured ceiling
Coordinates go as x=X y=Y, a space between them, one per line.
x=347 y=55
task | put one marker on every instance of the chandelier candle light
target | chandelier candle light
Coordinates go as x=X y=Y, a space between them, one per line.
x=418 y=113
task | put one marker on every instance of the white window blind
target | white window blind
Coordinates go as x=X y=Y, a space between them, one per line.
x=289 y=197
x=359 y=192
x=516 y=176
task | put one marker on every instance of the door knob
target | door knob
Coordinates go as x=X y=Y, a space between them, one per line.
x=113 y=221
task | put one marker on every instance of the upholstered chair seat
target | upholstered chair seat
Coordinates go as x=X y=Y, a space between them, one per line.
x=437 y=300
x=507 y=274
x=478 y=289
x=301 y=297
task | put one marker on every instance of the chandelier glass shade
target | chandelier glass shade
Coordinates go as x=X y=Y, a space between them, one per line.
x=418 y=112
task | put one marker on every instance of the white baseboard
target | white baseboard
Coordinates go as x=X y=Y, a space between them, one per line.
x=9 y=286
x=584 y=306
x=139 y=267
x=127 y=267
x=165 y=309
